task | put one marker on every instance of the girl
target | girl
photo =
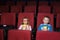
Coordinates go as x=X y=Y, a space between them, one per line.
x=25 y=24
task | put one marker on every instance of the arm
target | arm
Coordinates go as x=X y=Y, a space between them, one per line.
x=30 y=28
x=40 y=27
x=50 y=28
x=20 y=27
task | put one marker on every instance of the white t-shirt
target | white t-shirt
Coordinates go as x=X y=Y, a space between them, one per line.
x=28 y=27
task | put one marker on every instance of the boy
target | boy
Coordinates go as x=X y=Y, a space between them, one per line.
x=45 y=26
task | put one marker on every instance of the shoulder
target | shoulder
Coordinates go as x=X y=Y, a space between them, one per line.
x=29 y=25
x=41 y=24
x=20 y=25
x=49 y=25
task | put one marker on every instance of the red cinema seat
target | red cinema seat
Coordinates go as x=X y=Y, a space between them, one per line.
x=1 y=35
x=0 y=18
x=8 y=19
x=44 y=9
x=43 y=3
x=20 y=3
x=31 y=3
x=48 y=35
x=4 y=8
x=56 y=9
x=30 y=9
x=16 y=9
x=0 y=3
x=10 y=3
x=55 y=3
x=28 y=15
x=58 y=21
x=19 y=35
x=42 y=15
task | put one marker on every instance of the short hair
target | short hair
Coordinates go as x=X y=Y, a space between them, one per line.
x=47 y=17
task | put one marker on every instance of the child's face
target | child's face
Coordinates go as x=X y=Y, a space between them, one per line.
x=25 y=20
x=46 y=20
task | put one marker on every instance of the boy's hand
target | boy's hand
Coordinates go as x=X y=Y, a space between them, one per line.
x=45 y=28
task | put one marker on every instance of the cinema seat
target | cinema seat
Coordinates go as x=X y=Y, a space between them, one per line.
x=19 y=35
x=47 y=35
x=20 y=3
x=4 y=8
x=42 y=15
x=55 y=3
x=1 y=34
x=58 y=21
x=56 y=9
x=10 y=3
x=8 y=19
x=43 y=3
x=30 y=9
x=16 y=9
x=31 y=3
x=44 y=9
x=28 y=15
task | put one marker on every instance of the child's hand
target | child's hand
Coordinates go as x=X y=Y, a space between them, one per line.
x=45 y=28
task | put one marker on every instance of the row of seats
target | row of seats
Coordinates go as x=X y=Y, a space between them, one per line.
x=41 y=9
x=54 y=3
x=45 y=9
x=33 y=8
x=10 y=19
x=26 y=35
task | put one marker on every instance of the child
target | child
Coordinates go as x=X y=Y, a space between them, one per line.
x=25 y=24
x=45 y=26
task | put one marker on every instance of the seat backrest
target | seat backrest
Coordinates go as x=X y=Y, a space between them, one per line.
x=58 y=21
x=0 y=18
x=55 y=3
x=10 y=3
x=28 y=15
x=4 y=8
x=43 y=3
x=42 y=15
x=16 y=9
x=30 y=9
x=44 y=9
x=47 y=35
x=1 y=34
x=20 y=3
x=56 y=9
x=31 y=3
x=19 y=35
x=8 y=19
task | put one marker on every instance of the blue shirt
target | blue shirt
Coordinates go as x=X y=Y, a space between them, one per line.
x=49 y=27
